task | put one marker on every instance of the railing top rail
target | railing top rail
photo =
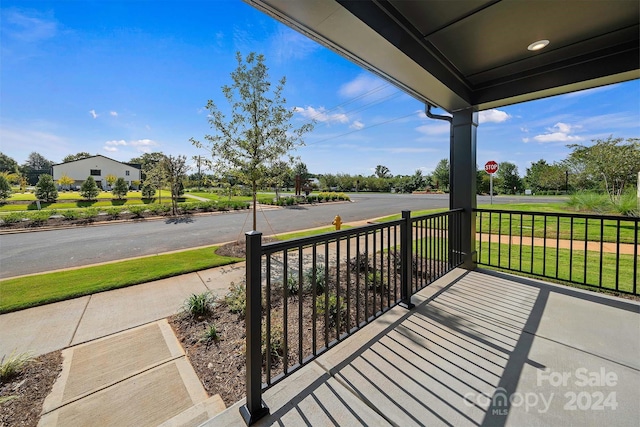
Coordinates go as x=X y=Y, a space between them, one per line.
x=436 y=214
x=269 y=248
x=563 y=215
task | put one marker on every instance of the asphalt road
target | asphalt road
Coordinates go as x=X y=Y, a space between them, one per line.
x=40 y=251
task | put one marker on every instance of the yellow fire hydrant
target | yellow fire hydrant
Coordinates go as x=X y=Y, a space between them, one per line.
x=337 y=221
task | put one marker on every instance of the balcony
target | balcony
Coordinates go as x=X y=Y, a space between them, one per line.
x=337 y=339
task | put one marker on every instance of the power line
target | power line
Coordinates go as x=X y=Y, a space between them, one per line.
x=361 y=129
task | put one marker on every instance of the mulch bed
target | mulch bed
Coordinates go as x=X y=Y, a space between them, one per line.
x=27 y=390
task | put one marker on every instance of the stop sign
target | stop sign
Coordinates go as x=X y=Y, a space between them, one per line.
x=491 y=167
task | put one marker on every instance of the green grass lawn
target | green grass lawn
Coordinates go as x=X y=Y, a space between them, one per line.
x=215 y=197
x=552 y=227
x=569 y=267
x=44 y=288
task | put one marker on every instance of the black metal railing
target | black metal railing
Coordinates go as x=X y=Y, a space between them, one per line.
x=588 y=250
x=306 y=295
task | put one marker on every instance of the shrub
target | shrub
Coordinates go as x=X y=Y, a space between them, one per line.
x=120 y=188
x=236 y=299
x=157 y=209
x=39 y=217
x=199 y=305
x=89 y=190
x=114 y=212
x=148 y=191
x=627 y=204
x=12 y=366
x=5 y=188
x=360 y=263
x=13 y=218
x=320 y=281
x=375 y=280
x=46 y=189
x=332 y=306
x=137 y=210
x=589 y=201
x=210 y=334
x=70 y=214
x=90 y=213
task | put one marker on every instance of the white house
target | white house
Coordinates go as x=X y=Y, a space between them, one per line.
x=97 y=167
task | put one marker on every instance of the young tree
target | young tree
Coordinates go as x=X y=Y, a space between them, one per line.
x=46 y=189
x=175 y=170
x=65 y=181
x=89 y=190
x=156 y=178
x=77 y=156
x=120 y=188
x=441 y=174
x=5 y=188
x=258 y=132
x=148 y=191
x=111 y=179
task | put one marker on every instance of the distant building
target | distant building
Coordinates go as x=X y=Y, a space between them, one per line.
x=97 y=167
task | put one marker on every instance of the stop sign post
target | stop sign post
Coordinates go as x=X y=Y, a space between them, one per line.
x=491 y=167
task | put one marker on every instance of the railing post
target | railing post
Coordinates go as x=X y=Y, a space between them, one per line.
x=254 y=409
x=406 y=246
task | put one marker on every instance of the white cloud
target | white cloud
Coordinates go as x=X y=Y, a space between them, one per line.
x=493 y=116
x=93 y=114
x=362 y=84
x=27 y=28
x=141 y=145
x=321 y=115
x=113 y=113
x=435 y=128
x=288 y=44
x=559 y=133
x=356 y=125
x=114 y=143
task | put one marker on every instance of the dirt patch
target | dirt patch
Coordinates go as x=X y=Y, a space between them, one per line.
x=238 y=249
x=25 y=393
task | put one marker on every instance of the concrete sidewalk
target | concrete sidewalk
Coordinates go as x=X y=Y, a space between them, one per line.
x=56 y=326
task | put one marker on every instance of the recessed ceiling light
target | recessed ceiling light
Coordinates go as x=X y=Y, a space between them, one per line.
x=538 y=45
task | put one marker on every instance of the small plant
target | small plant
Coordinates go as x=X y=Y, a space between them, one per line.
x=13 y=218
x=70 y=214
x=199 y=304
x=375 y=280
x=90 y=213
x=13 y=365
x=331 y=305
x=114 y=212
x=236 y=299
x=210 y=334
x=275 y=346
x=360 y=263
x=293 y=287
x=320 y=279
x=137 y=210
x=39 y=217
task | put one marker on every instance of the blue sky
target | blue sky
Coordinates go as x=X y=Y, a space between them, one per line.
x=123 y=78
